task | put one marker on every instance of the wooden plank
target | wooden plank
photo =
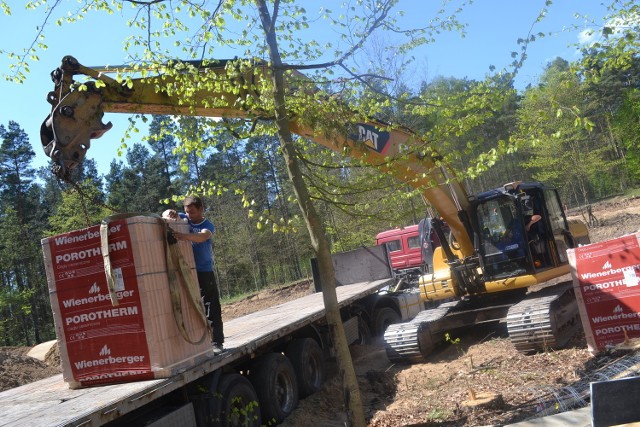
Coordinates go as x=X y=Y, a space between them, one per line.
x=275 y=321
x=50 y=402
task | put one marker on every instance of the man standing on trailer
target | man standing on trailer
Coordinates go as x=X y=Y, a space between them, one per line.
x=201 y=231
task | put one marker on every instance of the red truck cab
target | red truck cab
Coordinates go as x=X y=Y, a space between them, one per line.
x=410 y=250
x=403 y=246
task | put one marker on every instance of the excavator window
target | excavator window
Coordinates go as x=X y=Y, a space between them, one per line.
x=545 y=236
x=502 y=238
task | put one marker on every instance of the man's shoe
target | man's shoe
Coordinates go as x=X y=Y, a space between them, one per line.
x=217 y=348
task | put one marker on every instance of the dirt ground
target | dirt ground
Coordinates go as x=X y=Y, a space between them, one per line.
x=482 y=364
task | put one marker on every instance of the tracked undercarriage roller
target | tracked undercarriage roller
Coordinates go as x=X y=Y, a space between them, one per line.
x=416 y=339
x=545 y=319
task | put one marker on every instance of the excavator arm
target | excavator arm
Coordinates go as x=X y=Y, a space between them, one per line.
x=78 y=109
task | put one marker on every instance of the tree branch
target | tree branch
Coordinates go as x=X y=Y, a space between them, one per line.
x=377 y=22
x=35 y=40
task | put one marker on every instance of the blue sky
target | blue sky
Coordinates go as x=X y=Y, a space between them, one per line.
x=494 y=27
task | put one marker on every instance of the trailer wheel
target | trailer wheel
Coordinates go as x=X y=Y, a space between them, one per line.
x=308 y=363
x=235 y=402
x=274 y=380
x=382 y=318
x=364 y=332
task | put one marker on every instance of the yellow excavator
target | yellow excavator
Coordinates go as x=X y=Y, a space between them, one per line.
x=504 y=242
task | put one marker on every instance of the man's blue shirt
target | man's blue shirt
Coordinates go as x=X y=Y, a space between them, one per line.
x=202 y=252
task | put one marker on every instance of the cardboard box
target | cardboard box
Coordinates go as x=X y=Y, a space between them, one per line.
x=606 y=279
x=136 y=338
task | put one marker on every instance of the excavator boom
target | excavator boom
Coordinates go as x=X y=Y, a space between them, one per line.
x=78 y=109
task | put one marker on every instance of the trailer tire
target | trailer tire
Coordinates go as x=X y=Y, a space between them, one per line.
x=382 y=318
x=364 y=332
x=274 y=380
x=235 y=402
x=307 y=359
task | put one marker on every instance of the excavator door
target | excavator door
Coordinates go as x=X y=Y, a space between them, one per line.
x=503 y=246
x=521 y=229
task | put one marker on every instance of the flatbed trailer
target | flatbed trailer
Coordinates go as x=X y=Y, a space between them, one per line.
x=50 y=402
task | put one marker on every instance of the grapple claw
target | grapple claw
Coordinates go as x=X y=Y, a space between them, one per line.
x=67 y=132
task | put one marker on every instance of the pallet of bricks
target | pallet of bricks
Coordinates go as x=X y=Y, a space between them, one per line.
x=606 y=280
x=138 y=318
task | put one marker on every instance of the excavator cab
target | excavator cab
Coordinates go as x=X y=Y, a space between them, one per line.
x=502 y=242
x=521 y=229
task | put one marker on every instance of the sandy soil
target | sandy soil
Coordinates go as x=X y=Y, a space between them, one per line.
x=16 y=368
x=433 y=393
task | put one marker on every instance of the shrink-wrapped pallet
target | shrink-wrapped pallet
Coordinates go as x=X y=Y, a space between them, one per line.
x=132 y=331
x=606 y=278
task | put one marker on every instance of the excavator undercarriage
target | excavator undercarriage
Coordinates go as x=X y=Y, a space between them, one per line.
x=547 y=319
x=537 y=321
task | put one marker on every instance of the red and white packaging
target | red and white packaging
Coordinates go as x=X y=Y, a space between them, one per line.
x=606 y=279
x=137 y=339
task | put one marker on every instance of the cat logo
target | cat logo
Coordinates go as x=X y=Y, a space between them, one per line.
x=372 y=137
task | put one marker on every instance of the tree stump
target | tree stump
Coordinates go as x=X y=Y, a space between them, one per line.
x=484 y=400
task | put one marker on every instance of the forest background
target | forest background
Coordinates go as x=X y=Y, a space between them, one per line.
x=577 y=129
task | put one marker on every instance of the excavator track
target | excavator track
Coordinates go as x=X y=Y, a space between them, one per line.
x=545 y=319
x=414 y=340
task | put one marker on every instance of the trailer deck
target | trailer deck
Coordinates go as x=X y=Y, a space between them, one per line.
x=50 y=402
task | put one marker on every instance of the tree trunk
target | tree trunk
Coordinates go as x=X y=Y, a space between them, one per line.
x=353 y=400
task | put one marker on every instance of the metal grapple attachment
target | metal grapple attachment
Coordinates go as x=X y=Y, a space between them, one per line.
x=75 y=119
x=67 y=132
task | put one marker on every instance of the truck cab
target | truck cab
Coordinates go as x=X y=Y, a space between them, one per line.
x=410 y=250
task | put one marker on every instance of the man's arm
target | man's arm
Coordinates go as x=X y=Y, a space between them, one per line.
x=534 y=219
x=200 y=237
x=170 y=214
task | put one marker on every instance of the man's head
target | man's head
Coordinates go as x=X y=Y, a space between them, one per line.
x=192 y=200
x=194 y=208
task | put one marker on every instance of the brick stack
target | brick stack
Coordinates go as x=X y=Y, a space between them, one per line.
x=137 y=338
x=606 y=279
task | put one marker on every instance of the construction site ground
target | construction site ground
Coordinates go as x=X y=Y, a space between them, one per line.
x=439 y=391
